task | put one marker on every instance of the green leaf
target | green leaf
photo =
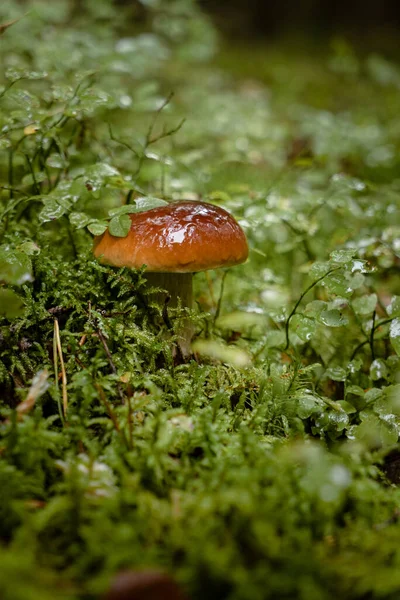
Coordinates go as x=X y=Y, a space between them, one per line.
x=342 y=256
x=354 y=365
x=337 y=283
x=120 y=225
x=347 y=407
x=239 y=321
x=53 y=209
x=333 y=318
x=29 y=179
x=338 y=419
x=376 y=431
x=336 y=373
x=372 y=395
x=29 y=248
x=14 y=74
x=141 y=204
x=315 y=308
x=395 y=335
x=303 y=327
x=319 y=269
x=56 y=161
x=392 y=396
x=98 y=175
x=308 y=405
x=231 y=355
x=394 y=307
x=365 y=305
x=97 y=227
x=148 y=202
x=11 y=305
x=15 y=266
x=79 y=219
x=378 y=370
x=93 y=98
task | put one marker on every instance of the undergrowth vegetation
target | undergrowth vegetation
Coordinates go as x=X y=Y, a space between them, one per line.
x=267 y=466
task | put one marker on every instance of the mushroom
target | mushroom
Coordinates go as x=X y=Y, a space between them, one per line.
x=144 y=585
x=175 y=241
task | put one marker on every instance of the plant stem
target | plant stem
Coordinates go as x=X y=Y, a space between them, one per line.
x=176 y=292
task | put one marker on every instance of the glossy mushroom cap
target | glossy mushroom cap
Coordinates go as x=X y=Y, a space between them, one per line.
x=183 y=237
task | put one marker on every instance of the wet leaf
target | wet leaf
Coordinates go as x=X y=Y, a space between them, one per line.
x=141 y=205
x=231 y=355
x=365 y=304
x=333 y=318
x=304 y=327
x=376 y=431
x=337 y=283
x=378 y=369
x=98 y=175
x=29 y=248
x=31 y=179
x=342 y=256
x=15 y=74
x=53 y=209
x=395 y=335
x=308 y=405
x=11 y=305
x=56 y=161
x=315 y=308
x=79 y=219
x=393 y=308
x=97 y=227
x=391 y=395
x=148 y=202
x=347 y=407
x=336 y=373
x=120 y=225
x=15 y=266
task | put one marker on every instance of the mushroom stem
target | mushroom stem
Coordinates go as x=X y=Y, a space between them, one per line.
x=178 y=292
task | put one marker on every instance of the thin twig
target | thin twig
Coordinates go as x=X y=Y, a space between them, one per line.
x=135 y=152
x=368 y=340
x=55 y=364
x=310 y=287
x=35 y=183
x=108 y=406
x=110 y=360
x=112 y=414
x=16 y=190
x=221 y=293
x=63 y=372
x=310 y=255
x=164 y=133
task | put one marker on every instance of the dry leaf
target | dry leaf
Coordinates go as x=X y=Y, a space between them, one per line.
x=31 y=129
x=38 y=387
x=7 y=24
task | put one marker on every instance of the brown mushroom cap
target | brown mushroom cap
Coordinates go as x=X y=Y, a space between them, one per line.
x=183 y=237
x=144 y=585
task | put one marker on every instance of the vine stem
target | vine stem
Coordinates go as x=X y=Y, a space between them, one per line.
x=296 y=306
x=371 y=337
